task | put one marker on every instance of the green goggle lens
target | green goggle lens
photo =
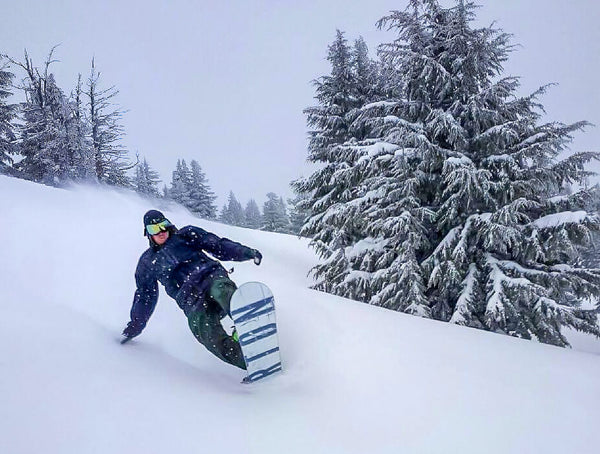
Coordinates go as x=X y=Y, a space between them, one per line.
x=154 y=229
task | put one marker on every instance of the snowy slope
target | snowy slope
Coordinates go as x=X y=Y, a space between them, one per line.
x=358 y=379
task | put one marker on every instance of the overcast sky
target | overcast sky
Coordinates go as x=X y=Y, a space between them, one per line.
x=225 y=82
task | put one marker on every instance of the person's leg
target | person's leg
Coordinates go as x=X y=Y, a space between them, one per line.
x=221 y=290
x=205 y=324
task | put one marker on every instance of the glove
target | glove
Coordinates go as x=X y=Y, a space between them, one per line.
x=132 y=330
x=257 y=257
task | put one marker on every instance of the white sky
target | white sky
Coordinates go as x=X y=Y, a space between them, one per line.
x=225 y=82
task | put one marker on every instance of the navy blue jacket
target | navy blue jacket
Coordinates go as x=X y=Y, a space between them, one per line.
x=181 y=265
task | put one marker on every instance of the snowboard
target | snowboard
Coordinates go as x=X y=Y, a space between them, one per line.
x=253 y=313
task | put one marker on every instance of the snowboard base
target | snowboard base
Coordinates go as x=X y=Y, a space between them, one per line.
x=253 y=313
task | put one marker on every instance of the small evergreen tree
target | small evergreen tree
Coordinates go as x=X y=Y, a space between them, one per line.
x=146 y=180
x=224 y=216
x=298 y=213
x=232 y=213
x=181 y=183
x=275 y=217
x=252 y=216
x=8 y=113
x=201 y=197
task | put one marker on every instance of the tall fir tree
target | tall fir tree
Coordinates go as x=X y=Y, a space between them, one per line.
x=8 y=114
x=79 y=137
x=252 y=215
x=106 y=132
x=354 y=81
x=454 y=188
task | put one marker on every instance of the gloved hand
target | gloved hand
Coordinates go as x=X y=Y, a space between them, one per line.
x=257 y=257
x=131 y=330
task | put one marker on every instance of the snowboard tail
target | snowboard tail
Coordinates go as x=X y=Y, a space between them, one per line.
x=253 y=313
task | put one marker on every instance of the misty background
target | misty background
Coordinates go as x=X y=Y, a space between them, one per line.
x=225 y=83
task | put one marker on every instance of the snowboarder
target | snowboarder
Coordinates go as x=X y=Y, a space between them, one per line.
x=199 y=284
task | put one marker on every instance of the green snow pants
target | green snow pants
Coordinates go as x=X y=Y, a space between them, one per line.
x=205 y=322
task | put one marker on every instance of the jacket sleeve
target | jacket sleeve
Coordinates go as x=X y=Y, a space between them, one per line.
x=146 y=295
x=221 y=248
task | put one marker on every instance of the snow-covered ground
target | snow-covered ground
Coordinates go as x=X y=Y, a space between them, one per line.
x=358 y=379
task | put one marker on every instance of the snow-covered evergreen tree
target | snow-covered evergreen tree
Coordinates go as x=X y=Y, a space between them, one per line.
x=368 y=80
x=587 y=198
x=354 y=80
x=232 y=212
x=80 y=138
x=46 y=137
x=106 y=132
x=298 y=213
x=8 y=113
x=181 y=183
x=252 y=215
x=190 y=188
x=57 y=141
x=275 y=217
x=453 y=190
x=201 y=197
x=146 y=180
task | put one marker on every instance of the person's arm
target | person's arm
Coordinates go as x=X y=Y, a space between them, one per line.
x=144 y=300
x=221 y=248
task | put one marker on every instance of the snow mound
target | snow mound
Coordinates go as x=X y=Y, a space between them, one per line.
x=358 y=379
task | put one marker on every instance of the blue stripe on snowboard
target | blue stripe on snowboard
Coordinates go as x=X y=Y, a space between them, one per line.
x=253 y=310
x=257 y=334
x=262 y=355
x=264 y=372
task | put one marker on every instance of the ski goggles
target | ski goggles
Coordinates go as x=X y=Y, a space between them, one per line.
x=155 y=229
